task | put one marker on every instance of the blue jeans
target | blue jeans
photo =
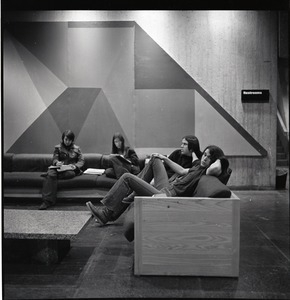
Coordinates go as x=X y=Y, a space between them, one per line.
x=49 y=189
x=116 y=168
x=139 y=184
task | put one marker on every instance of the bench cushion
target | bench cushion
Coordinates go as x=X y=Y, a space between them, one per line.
x=210 y=186
x=22 y=179
x=93 y=160
x=33 y=179
x=7 y=162
x=225 y=176
x=31 y=162
x=105 y=182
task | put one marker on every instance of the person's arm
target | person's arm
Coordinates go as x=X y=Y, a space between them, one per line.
x=171 y=164
x=133 y=157
x=215 y=169
x=81 y=161
x=78 y=164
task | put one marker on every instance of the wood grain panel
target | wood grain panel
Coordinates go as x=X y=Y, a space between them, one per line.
x=187 y=236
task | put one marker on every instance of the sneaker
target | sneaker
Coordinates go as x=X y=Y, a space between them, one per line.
x=43 y=206
x=102 y=214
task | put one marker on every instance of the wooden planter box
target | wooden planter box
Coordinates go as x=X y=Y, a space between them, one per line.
x=187 y=236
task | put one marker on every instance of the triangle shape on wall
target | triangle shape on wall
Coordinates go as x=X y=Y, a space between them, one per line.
x=47 y=84
x=69 y=111
x=42 y=41
x=155 y=69
x=218 y=131
x=71 y=108
x=39 y=136
x=22 y=103
x=98 y=129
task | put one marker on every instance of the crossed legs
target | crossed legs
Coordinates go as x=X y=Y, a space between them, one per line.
x=113 y=205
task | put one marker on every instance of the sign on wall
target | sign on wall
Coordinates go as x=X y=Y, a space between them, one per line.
x=255 y=95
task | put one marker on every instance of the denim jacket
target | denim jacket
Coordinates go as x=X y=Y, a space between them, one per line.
x=68 y=155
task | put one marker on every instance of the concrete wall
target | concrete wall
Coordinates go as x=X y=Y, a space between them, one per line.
x=220 y=52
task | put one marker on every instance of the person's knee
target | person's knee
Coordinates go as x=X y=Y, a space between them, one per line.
x=127 y=176
x=69 y=174
x=155 y=160
x=152 y=160
x=52 y=173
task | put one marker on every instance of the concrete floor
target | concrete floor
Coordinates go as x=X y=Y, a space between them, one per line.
x=100 y=262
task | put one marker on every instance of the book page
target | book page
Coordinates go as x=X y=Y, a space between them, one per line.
x=94 y=171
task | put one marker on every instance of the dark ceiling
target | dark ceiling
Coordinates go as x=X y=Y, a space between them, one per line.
x=8 y=5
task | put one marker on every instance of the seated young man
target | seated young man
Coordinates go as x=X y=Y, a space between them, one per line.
x=183 y=156
x=212 y=162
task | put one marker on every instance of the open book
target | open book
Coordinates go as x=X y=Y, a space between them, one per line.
x=94 y=171
x=123 y=158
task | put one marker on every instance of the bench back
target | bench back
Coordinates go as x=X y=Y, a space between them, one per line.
x=29 y=162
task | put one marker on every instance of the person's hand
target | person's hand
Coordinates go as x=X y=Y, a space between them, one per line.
x=215 y=169
x=59 y=163
x=158 y=155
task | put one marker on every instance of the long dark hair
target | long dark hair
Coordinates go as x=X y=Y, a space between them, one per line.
x=69 y=134
x=215 y=152
x=119 y=136
x=193 y=145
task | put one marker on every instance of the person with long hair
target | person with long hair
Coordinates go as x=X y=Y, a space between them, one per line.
x=213 y=162
x=183 y=155
x=122 y=159
x=67 y=162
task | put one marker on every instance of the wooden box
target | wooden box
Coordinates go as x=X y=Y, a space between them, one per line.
x=187 y=236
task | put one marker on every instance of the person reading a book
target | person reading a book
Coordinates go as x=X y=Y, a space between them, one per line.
x=213 y=162
x=67 y=162
x=123 y=159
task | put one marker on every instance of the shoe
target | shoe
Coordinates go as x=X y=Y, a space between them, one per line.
x=129 y=199
x=102 y=214
x=43 y=206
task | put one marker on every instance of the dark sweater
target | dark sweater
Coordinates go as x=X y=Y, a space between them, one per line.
x=182 y=160
x=184 y=185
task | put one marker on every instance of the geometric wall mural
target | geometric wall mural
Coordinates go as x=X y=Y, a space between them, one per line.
x=98 y=78
x=78 y=109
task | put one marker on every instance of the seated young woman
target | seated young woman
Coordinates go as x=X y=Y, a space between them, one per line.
x=123 y=159
x=67 y=162
x=213 y=162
